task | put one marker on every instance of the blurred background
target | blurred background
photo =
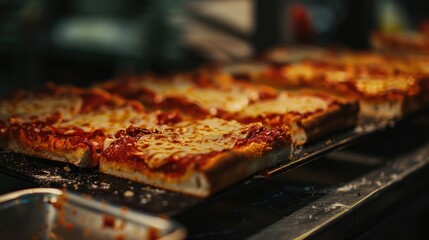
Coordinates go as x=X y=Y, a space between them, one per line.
x=84 y=41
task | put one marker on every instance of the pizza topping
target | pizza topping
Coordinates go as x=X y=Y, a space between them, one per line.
x=167 y=118
x=108 y=121
x=135 y=132
x=40 y=107
x=299 y=71
x=258 y=134
x=204 y=136
x=231 y=99
x=337 y=76
x=286 y=104
x=93 y=100
x=42 y=137
x=111 y=120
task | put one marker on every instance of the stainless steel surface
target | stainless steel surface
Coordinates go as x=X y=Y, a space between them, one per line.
x=340 y=201
x=340 y=140
x=47 y=213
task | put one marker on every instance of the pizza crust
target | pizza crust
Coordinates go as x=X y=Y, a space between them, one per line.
x=222 y=170
x=336 y=118
x=80 y=156
x=394 y=108
x=35 y=140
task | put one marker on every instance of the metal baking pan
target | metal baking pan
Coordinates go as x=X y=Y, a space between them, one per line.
x=47 y=213
x=154 y=200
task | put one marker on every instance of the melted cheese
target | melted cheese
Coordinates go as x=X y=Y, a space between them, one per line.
x=371 y=86
x=423 y=67
x=232 y=99
x=337 y=76
x=40 y=107
x=110 y=121
x=285 y=104
x=189 y=138
x=299 y=71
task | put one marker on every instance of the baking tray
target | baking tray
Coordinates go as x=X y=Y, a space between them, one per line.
x=46 y=173
x=47 y=213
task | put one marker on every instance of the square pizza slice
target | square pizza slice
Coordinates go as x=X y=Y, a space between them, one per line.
x=381 y=92
x=194 y=157
x=308 y=114
x=77 y=136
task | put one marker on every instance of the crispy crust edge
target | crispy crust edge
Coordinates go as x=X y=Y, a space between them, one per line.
x=396 y=109
x=336 y=118
x=55 y=149
x=223 y=170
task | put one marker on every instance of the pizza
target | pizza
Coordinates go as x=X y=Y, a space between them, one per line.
x=309 y=115
x=72 y=124
x=385 y=86
x=194 y=157
x=53 y=102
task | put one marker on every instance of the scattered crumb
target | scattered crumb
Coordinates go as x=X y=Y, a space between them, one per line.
x=128 y=194
x=104 y=185
x=378 y=183
x=67 y=169
x=354 y=186
x=346 y=188
x=259 y=176
x=334 y=206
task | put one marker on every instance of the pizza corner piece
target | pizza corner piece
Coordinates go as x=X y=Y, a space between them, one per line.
x=197 y=158
x=308 y=114
x=70 y=125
